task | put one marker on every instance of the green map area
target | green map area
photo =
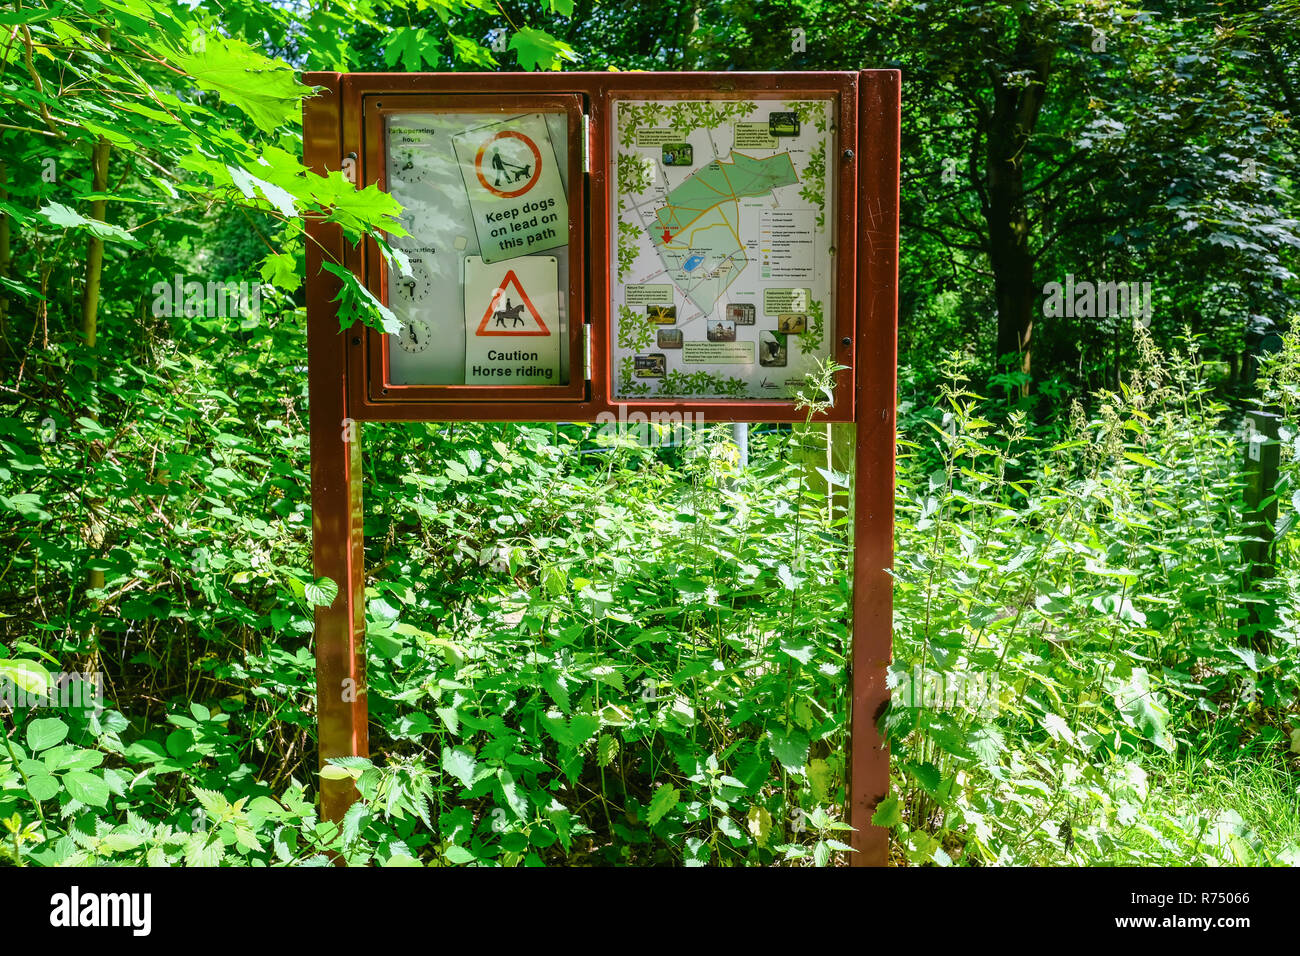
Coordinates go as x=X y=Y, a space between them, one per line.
x=697 y=232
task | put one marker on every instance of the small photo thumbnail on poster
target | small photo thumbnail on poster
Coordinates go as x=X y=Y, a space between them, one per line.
x=793 y=323
x=661 y=314
x=653 y=365
x=670 y=338
x=783 y=124
x=678 y=154
x=742 y=313
x=721 y=330
x=772 y=351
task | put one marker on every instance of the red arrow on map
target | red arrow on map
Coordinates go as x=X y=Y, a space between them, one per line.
x=667 y=236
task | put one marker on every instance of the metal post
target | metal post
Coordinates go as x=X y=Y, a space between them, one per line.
x=335 y=478
x=875 y=376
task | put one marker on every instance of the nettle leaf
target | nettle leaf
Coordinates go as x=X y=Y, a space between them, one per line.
x=557 y=688
x=665 y=798
x=790 y=747
x=514 y=795
x=582 y=727
x=802 y=651
x=789 y=580
x=889 y=813
x=1058 y=728
x=353 y=821
x=450 y=718
x=459 y=762
x=926 y=774
x=203 y=849
x=729 y=827
x=1142 y=459
x=214 y=803
x=607 y=749
x=986 y=743
x=571 y=734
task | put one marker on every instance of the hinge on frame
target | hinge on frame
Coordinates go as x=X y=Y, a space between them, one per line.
x=586 y=143
x=586 y=350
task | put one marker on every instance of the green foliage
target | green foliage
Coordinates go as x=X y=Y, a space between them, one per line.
x=587 y=648
x=556 y=673
x=1068 y=615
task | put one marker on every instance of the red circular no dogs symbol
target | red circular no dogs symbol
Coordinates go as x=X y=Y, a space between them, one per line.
x=512 y=159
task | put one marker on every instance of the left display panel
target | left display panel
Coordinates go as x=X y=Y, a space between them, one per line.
x=487 y=285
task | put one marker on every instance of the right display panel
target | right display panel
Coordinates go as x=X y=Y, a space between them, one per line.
x=722 y=254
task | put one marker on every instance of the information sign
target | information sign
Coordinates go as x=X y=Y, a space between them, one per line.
x=723 y=225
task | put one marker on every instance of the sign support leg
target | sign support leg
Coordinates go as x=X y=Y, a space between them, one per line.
x=335 y=479
x=872 y=646
x=875 y=386
x=340 y=628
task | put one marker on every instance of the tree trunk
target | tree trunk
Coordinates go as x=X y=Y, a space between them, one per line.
x=4 y=248
x=1017 y=99
x=95 y=249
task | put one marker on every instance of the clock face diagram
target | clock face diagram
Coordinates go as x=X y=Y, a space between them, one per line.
x=407 y=167
x=410 y=290
x=416 y=336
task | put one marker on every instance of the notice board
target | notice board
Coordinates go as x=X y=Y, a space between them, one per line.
x=589 y=247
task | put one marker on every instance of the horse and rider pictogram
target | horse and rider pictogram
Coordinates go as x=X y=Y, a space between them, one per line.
x=514 y=313
x=518 y=311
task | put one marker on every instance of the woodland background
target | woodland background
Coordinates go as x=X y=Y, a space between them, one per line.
x=593 y=650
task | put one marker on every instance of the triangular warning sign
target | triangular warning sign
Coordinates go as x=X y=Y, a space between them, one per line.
x=508 y=313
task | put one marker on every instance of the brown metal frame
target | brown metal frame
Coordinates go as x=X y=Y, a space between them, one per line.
x=370 y=403
x=865 y=322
